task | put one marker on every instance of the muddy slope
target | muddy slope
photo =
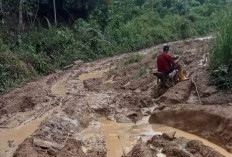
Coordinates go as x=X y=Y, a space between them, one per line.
x=180 y=147
x=109 y=88
x=159 y=145
x=210 y=122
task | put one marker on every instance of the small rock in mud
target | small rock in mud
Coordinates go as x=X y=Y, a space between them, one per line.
x=169 y=135
x=161 y=107
x=146 y=112
x=134 y=117
x=58 y=71
x=68 y=67
x=78 y=62
x=46 y=144
x=11 y=143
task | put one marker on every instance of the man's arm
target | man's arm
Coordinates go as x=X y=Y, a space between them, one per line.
x=169 y=59
x=177 y=60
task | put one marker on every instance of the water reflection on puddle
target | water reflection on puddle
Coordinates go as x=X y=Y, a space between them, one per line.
x=121 y=137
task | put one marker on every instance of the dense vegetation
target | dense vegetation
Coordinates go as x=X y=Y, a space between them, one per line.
x=221 y=55
x=93 y=29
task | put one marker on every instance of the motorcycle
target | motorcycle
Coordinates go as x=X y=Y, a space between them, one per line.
x=164 y=82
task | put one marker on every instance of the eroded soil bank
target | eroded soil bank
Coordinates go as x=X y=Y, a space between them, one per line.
x=120 y=89
x=212 y=123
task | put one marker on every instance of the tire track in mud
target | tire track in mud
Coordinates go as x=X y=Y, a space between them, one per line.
x=12 y=138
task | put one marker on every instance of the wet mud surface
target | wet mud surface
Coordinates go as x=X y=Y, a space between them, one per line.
x=108 y=108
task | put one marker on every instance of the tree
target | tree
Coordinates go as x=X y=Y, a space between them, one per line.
x=55 y=17
x=1 y=6
x=21 y=15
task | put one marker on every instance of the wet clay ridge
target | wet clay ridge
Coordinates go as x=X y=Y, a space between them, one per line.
x=71 y=113
x=212 y=123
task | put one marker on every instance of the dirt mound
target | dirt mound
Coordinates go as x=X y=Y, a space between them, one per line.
x=177 y=94
x=181 y=147
x=26 y=98
x=210 y=94
x=176 y=147
x=72 y=148
x=27 y=150
x=211 y=122
x=142 y=150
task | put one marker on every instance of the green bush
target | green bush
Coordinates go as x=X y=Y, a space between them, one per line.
x=221 y=54
x=53 y=48
x=12 y=70
x=40 y=62
x=95 y=43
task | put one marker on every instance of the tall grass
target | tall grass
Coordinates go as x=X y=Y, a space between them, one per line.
x=221 y=54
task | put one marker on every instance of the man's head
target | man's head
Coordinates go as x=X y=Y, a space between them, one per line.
x=166 y=48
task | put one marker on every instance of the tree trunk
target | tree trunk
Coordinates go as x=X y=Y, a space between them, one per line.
x=1 y=6
x=21 y=15
x=152 y=5
x=33 y=24
x=230 y=67
x=186 y=6
x=55 y=18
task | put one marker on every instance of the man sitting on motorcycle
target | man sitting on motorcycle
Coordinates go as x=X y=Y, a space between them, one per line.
x=167 y=64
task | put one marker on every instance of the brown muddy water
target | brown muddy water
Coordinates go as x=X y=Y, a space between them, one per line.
x=121 y=137
x=17 y=135
x=86 y=76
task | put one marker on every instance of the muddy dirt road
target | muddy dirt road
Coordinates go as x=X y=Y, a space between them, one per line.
x=109 y=108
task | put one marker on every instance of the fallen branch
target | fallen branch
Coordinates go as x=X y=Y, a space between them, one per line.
x=198 y=95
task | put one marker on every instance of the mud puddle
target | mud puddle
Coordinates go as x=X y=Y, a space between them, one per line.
x=91 y=75
x=180 y=133
x=10 y=139
x=121 y=137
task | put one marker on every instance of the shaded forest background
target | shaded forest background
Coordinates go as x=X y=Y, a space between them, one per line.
x=39 y=36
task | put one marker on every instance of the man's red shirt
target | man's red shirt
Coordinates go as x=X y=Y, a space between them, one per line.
x=164 y=62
